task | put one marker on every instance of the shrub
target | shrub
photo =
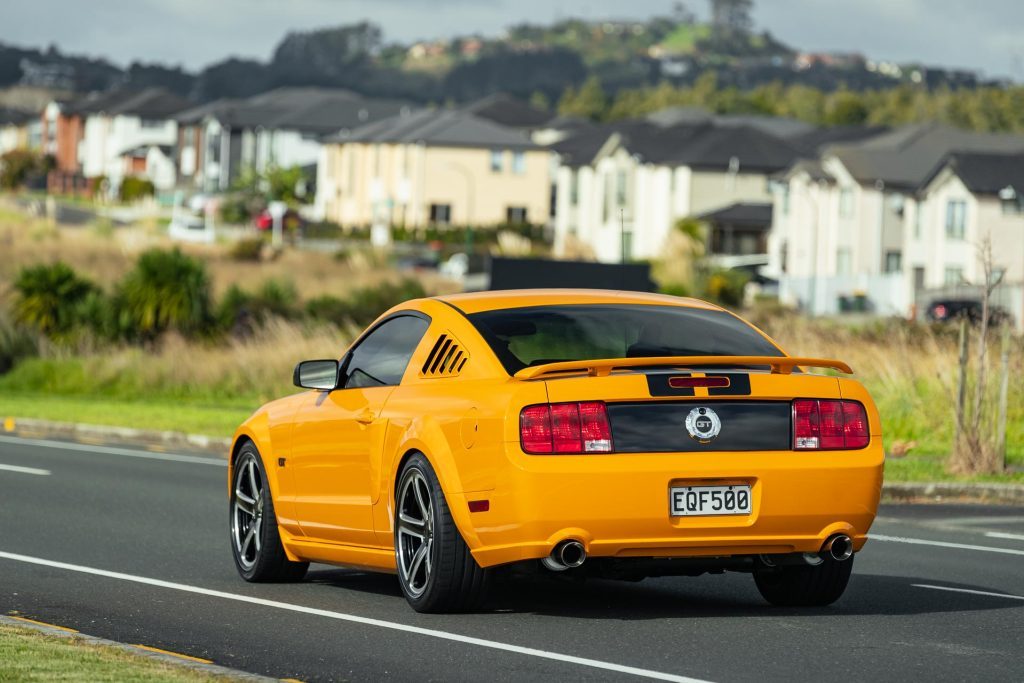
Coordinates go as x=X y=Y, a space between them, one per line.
x=364 y=305
x=726 y=286
x=167 y=290
x=48 y=296
x=247 y=249
x=15 y=344
x=240 y=209
x=240 y=311
x=134 y=188
x=18 y=166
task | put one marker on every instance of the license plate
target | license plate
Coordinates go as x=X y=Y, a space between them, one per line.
x=707 y=501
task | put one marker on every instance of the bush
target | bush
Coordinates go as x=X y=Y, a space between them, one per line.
x=726 y=286
x=240 y=209
x=18 y=166
x=47 y=298
x=167 y=290
x=364 y=305
x=240 y=311
x=134 y=188
x=15 y=344
x=247 y=249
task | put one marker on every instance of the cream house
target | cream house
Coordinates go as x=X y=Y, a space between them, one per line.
x=852 y=223
x=621 y=189
x=441 y=167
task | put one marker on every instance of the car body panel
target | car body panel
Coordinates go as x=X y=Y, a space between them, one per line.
x=333 y=484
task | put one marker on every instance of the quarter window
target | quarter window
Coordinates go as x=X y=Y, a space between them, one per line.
x=381 y=358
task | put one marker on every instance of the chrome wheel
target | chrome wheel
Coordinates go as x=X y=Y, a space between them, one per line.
x=415 y=533
x=247 y=512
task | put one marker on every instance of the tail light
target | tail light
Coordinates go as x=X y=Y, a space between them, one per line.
x=829 y=425
x=565 y=428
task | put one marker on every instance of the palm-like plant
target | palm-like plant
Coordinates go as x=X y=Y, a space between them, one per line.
x=166 y=290
x=48 y=297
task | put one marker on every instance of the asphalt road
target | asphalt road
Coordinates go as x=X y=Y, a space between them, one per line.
x=135 y=549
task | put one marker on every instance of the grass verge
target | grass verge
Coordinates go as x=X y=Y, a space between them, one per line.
x=28 y=655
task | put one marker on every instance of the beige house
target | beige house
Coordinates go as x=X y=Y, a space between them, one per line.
x=439 y=167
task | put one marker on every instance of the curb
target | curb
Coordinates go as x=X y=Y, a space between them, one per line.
x=102 y=435
x=938 y=492
x=164 y=656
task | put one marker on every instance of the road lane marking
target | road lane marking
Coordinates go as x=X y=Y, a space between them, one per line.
x=1003 y=534
x=171 y=653
x=967 y=590
x=108 y=450
x=42 y=623
x=367 y=621
x=945 y=544
x=25 y=470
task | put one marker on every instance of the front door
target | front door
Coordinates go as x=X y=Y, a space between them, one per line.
x=338 y=433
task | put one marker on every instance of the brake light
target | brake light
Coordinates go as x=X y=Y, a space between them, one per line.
x=829 y=425
x=565 y=428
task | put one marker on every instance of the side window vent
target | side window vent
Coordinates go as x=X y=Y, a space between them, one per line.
x=446 y=358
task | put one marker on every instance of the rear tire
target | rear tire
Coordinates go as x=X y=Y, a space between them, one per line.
x=806 y=586
x=255 y=540
x=436 y=570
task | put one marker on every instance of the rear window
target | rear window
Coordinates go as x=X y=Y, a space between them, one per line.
x=522 y=337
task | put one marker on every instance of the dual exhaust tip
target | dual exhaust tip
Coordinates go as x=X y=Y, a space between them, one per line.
x=566 y=555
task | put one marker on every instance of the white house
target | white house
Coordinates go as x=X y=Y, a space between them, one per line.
x=847 y=226
x=620 y=189
x=119 y=125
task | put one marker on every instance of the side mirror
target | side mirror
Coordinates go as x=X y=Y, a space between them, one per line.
x=316 y=374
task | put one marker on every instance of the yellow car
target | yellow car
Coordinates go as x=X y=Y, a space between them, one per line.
x=601 y=433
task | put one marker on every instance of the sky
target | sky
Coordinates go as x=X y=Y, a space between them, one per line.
x=983 y=35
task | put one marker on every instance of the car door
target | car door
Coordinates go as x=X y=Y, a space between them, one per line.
x=338 y=432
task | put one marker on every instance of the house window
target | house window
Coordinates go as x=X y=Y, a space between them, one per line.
x=954 y=275
x=846 y=203
x=515 y=215
x=956 y=214
x=441 y=214
x=844 y=261
x=785 y=199
x=574 y=188
x=893 y=261
x=1013 y=205
x=497 y=161
x=918 y=210
x=620 y=188
x=518 y=163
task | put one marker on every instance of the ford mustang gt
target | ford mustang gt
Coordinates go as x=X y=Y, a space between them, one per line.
x=605 y=434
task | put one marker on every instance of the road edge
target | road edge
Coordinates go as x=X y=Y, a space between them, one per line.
x=102 y=435
x=166 y=657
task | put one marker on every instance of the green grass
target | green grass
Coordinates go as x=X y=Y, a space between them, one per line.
x=685 y=38
x=918 y=467
x=210 y=419
x=27 y=655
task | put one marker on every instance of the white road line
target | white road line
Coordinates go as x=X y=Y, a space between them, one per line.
x=1003 y=534
x=108 y=450
x=394 y=626
x=967 y=590
x=24 y=470
x=944 y=544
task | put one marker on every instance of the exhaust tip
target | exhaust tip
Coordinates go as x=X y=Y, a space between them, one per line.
x=572 y=554
x=839 y=547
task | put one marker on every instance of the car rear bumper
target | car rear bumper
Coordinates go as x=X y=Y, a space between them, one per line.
x=618 y=505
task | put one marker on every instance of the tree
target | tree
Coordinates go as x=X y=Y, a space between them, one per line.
x=589 y=101
x=846 y=109
x=48 y=296
x=731 y=17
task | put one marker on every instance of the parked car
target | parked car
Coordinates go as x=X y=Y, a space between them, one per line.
x=596 y=433
x=290 y=222
x=945 y=310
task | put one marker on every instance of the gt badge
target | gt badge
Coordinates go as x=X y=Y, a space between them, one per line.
x=703 y=424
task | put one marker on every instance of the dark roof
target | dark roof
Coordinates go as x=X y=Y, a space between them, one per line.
x=509 y=111
x=815 y=140
x=584 y=142
x=710 y=146
x=319 y=111
x=984 y=173
x=141 y=151
x=151 y=103
x=16 y=117
x=905 y=157
x=741 y=214
x=439 y=128
x=780 y=126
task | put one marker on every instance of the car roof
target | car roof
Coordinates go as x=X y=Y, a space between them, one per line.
x=475 y=302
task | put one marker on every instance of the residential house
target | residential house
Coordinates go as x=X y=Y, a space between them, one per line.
x=622 y=198
x=282 y=127
x=440 y=167
x=118 y=124
x=14 y=131
x=844 y=222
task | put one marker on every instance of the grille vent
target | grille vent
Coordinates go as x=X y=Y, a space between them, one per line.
x=446 y=359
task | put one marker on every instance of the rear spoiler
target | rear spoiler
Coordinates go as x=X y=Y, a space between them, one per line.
x=780 y=365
